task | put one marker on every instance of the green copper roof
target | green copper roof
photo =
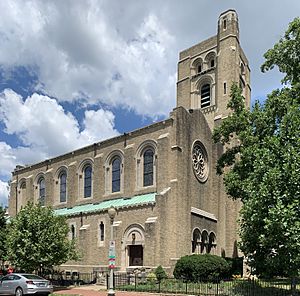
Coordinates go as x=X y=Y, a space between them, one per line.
x=117 y=203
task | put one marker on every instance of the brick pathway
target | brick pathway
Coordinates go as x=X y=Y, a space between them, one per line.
x=94 y=290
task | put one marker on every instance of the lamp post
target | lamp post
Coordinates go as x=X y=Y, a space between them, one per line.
x=112 y=252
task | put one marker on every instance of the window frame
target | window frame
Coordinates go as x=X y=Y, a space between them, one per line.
x=101 y=231
x=116 y=174
x=61 y=174
x=205 y=95
x=151 y=172
x=42 y=190
x=87 y=181
x=73 y=231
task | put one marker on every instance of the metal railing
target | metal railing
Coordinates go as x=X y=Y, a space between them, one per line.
x=67 y=279
x=208 y=287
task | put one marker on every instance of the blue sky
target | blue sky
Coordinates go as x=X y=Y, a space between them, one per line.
x=76 y=72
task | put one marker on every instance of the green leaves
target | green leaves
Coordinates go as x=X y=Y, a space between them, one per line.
x=262 y=161
x=196 y=267
x=286 y=54
x=37 y=238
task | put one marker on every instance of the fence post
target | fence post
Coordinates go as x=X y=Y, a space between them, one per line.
x=106 y=281
x=253 y=287
x=293 y=286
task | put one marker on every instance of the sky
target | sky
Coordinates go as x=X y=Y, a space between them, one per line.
x=73 y=73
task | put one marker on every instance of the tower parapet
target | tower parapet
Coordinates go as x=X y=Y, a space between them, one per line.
x=207 y=70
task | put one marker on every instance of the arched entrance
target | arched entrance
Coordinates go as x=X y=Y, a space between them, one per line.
x=133 y=246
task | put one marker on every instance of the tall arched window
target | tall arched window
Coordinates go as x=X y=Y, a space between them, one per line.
x=63 y=187
x=204 y=241
x=148 y=168
x=73 y=231
x=211 y=242
x=205 y=95
x=101 y=231
x=21 y=198
x=116 y=174
x=87 y=181
x=196 y=241
x=42 y=191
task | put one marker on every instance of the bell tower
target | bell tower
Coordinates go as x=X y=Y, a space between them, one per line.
x=207 y=70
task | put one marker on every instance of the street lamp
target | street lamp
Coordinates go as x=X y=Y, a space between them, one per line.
x=112 y=251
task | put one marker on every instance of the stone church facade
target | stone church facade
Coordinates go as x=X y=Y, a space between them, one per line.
x=161 y=178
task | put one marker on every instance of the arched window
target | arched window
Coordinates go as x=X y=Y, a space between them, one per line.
x=23 y=185
x=199 y=69
x=87 y=181
x=21 y=198
x=73 y=231
x=148 y=168
x=212 y=63
x=101 y=231
x=42 y=191
x=242 y=69
x=63 y=187
x=196 y=241
x=205 y=95
x=211 y=243
x=204 y=241
x=224 y=24
x=116 y=174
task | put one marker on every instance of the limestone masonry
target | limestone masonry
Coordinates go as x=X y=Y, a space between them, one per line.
x=160 y=178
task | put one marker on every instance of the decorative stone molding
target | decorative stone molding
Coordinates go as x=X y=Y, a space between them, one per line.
x=203 y=214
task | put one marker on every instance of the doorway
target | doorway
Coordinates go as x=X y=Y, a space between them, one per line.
x=135 y=255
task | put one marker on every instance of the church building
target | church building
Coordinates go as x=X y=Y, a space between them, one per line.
x=161 y=179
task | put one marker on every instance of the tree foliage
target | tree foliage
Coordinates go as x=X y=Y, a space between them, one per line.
x=197 y=267
x=3 y=232
x=160 y=273
x=37 y=239
x=262 y=164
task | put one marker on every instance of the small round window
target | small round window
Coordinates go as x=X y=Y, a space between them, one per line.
x=200 y=161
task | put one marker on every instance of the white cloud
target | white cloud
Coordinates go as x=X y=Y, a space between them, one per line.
x=78 y=54
x=7 y=160
x=45 y=129
x=3 y=193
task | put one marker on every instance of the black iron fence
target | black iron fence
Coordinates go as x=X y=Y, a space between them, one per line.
x=68 y=279
x=208 y=287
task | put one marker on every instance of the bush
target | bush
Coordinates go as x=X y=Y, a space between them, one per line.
x=236 y=265
x=197 y=267
x=160 y=273
x=151 y=277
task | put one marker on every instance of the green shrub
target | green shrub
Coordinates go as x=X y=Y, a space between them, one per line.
x=160 y=273
x=236 y=265
x=197 y=267
x=151 y=277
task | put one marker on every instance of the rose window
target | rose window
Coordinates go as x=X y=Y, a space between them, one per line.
x=199 y=158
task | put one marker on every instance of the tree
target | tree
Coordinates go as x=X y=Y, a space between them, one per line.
x=261 y=164
x=38 y=239
x=160 y=273
x=2 y=235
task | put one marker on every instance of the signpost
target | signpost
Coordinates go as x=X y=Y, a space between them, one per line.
x=112 y=254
